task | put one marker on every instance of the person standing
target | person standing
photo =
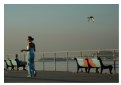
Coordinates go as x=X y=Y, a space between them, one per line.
x=30 y=57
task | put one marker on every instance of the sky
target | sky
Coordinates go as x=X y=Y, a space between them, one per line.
x=61 y=27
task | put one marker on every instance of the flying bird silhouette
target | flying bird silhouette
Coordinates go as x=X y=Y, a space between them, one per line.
x=91 y=18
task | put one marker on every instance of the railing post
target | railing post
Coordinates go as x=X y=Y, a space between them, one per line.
x=80 y=54
x=67 y=61
x=55 y=60
x=43 y=62
x=98 y=53
x=114 y=61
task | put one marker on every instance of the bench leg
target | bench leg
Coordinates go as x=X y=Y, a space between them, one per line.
x=110 y=69
x=89 y=69
x=97 y=70
x=77 y=69
x=12 y=68
x=17 y=68
x=101 y=70
x=24 y=68
x=86 y=70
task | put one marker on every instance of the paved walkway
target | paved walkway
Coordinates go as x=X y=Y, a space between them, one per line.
x=60 y=77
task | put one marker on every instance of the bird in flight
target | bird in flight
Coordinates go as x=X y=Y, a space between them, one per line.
x=91 y=18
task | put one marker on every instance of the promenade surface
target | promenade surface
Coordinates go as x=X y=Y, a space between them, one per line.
x=59 y=77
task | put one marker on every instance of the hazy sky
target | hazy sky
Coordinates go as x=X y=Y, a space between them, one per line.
x=61 y=27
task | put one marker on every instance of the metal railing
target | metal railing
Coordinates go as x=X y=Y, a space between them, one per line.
x=68 y=56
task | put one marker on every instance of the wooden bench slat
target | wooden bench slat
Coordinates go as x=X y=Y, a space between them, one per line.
x=94 y=62
x=82 y=62
x=97 y=62
x=8 y=62
x=13 y=62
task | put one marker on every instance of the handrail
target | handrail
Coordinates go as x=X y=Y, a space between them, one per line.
x=69 y=55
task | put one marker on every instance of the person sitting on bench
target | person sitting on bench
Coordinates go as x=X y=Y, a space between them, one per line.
x=20 y=63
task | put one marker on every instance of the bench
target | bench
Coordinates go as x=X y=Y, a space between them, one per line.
x=93 y=63
x=21 y=64
x=81 y=63
x=87 y=63
x=10 y=63
x=110 y=67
